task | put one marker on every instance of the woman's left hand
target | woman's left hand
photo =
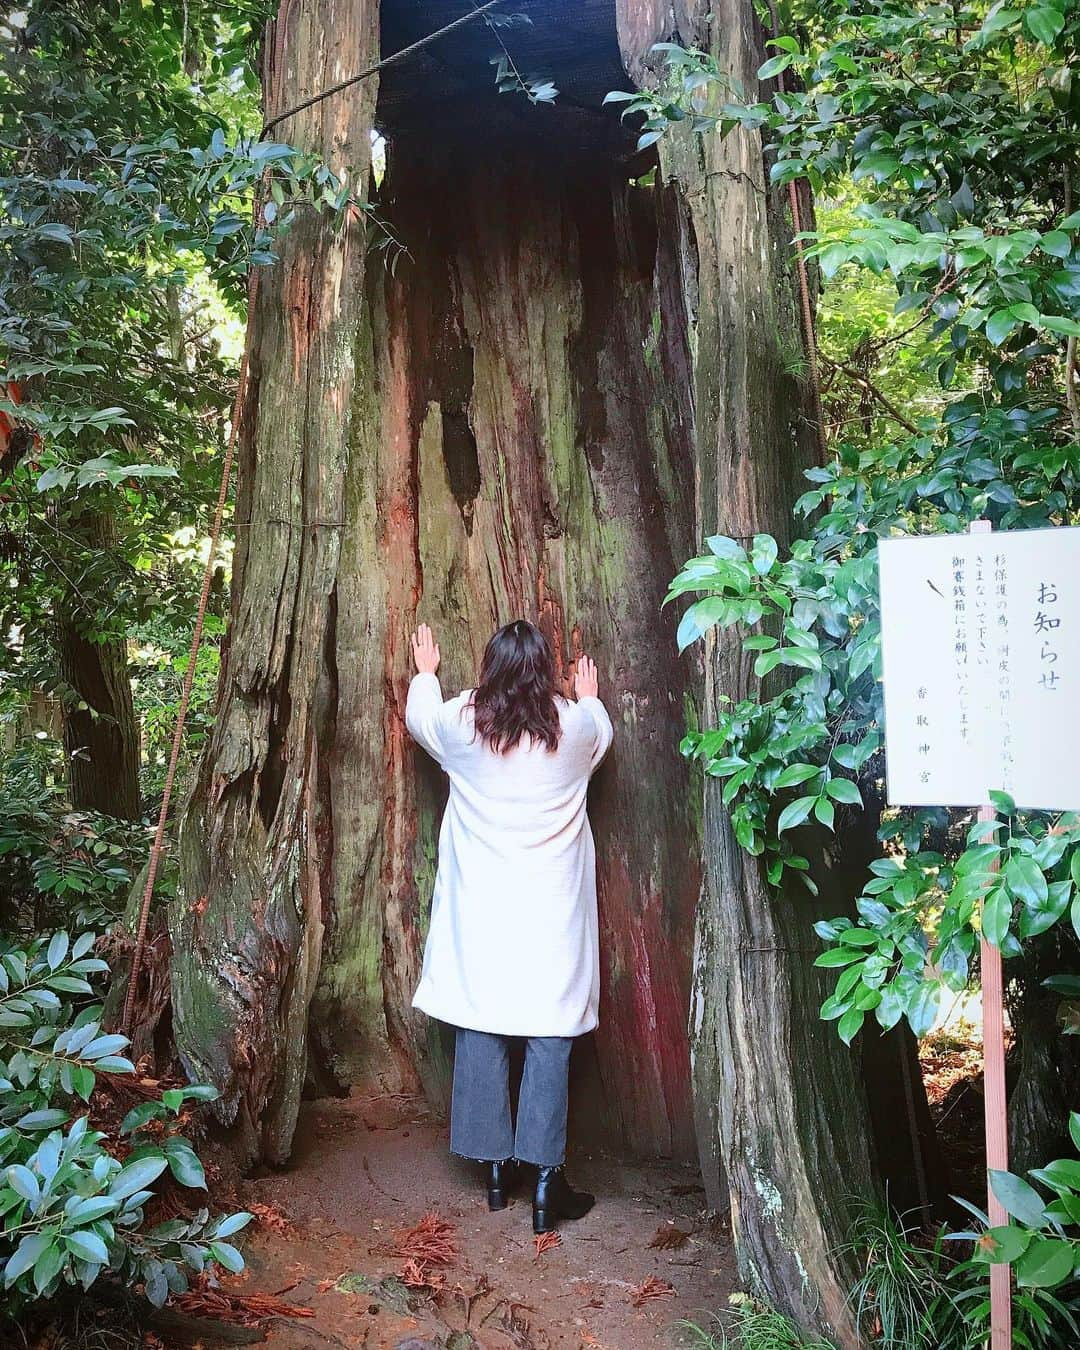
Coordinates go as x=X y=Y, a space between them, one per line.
x=586 y=683
x=425 y=650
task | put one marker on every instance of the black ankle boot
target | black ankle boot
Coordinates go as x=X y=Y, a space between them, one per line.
x=554 y=1200
x=501 y=1180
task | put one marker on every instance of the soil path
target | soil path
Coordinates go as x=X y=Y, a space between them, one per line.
x=367 y=1169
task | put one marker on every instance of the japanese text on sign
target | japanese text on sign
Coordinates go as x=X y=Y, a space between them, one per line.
x=981 y=660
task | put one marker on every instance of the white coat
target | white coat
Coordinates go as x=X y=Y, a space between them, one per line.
x=513 y=944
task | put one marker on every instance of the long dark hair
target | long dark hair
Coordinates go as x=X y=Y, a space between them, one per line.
x=516 y=693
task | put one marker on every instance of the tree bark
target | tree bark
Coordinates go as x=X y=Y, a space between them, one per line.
x=1044 y=1062
x=783 y=1122
x=101 y=734
x=526 y=458
x=256 y=848
x=500 y=426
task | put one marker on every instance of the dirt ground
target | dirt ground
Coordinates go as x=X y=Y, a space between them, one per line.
x=367 y=1170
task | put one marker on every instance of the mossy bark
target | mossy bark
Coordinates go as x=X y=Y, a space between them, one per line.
x=256 y=847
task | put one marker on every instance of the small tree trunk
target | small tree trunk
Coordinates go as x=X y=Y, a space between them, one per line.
x=906 y=1149
x=1044 y=1063
x=101 y=734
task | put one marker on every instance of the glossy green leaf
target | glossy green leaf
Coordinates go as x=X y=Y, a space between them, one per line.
x=1046 y=1263
x=227 y=1255
x=1044 y=23
x=795 y=774
x=136 y=1176
x=850 y=1025
x=1019 y=1199
x=844 y=790
x=794 y=813
x=923 y=1008
x=996 y=915
x=763 y=553
x=774 y=66
x=87 y=1246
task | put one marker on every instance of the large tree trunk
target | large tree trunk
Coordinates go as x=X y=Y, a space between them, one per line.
x=257 y=838
x=782 y=1116
x=101 y=733
x=499 y=426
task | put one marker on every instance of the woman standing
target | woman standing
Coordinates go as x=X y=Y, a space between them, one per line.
x=513 y=945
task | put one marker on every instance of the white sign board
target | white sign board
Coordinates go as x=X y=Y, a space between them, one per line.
x=980 y=639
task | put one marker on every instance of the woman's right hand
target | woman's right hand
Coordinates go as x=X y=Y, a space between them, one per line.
x=586 y=683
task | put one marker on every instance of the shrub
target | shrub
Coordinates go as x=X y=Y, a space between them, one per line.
x=73 y=1200
x=915 y=1295
x=61 y=866
x=756 y=1326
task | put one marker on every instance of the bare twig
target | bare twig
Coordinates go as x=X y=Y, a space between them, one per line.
x=861 y=380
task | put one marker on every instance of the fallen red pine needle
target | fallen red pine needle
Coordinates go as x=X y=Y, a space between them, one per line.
x=240 y=1309
x=668 y=1236
x=545 y=1242
x=651 y=1288
x=430 y=1242
x=269 y=1216
x=417 y=1275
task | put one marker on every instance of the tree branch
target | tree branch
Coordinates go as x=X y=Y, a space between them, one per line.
x=861 y=380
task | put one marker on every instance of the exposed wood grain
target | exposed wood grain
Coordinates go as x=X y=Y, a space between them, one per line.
x=529 y=461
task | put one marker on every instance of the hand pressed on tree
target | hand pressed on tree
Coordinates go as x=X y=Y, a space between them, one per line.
x=425 y=650
x=586 y=683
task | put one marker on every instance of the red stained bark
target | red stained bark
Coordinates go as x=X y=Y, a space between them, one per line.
x=502 y=472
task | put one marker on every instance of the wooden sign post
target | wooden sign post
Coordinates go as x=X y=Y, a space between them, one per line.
x=980 y=643
x=995 y=1102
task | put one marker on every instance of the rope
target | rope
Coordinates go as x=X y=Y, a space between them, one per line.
x=157 y=849
x=379 y=65
x=809 y=334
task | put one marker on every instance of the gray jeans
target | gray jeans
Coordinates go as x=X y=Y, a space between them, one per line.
x=480 y=1123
